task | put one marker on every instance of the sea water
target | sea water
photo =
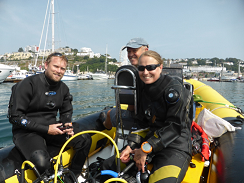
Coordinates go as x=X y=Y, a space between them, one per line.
x=91 y=96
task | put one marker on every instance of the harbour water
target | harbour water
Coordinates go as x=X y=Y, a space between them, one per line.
x=90 y=96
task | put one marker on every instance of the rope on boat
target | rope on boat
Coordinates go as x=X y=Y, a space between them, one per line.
x=201 y=86
x=198 y=98
x=222 y=108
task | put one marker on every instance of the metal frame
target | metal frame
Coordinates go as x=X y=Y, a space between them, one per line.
x=119 y=87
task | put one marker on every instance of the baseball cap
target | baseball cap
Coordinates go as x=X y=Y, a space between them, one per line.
x=136 y=43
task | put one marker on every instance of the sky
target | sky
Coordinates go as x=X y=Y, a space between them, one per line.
x=173 y=28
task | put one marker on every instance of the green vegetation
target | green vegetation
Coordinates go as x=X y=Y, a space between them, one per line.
x=93 y=64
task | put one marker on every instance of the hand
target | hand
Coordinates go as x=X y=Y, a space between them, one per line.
x=125 y=155
x=54 y=130
x=140 y=159
x=69 y=129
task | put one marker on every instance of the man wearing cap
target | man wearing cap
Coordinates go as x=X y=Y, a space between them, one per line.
x=135 y=47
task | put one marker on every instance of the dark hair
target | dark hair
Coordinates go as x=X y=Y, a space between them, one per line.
x=56 y=54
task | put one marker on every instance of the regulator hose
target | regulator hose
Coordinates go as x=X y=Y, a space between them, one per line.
x=80 y=133
x=23 y=170
x=115 y=179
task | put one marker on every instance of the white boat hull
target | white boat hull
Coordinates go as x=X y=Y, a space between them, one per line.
x=69 y=78
x=100 y=76
x=5 y=71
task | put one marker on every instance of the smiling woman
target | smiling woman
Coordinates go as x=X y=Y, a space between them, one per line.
x=150 y=66
x=164 y=102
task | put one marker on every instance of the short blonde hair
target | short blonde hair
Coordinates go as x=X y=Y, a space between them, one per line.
x=56 y=54
x=152 y=54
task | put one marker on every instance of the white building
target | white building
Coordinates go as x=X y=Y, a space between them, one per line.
x=31 y=48
x=84 y=51
x=206 y=69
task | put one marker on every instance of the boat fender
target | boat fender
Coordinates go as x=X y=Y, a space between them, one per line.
x=172 y=96
x=41 y=160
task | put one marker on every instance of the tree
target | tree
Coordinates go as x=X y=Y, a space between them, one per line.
x=20 y=49
x=75 y=51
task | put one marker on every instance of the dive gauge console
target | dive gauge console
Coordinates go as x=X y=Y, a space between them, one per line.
x=146 y=147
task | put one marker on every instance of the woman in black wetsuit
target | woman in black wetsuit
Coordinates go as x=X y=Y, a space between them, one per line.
x=165 y=106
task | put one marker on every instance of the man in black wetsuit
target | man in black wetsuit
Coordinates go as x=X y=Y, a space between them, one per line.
x=33 y=108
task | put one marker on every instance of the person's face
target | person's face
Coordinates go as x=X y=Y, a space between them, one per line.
x=55 y=69
x=149 y=77
x=134 y=54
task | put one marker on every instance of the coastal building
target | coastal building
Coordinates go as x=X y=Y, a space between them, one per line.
x=88 y=52
x=119 y=64
x=228 y=63
x=19 y=55
x=208 y=62
x=194 y=62
x=31 y=48
x=206 y=69
x=63 y=50
x=44 y=53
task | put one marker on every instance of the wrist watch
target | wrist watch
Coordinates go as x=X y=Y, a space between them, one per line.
x=146 y=147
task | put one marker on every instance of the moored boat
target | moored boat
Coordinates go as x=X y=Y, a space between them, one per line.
x=99 y=75
x=69 y=76
x=5 y=71
x=213 y=79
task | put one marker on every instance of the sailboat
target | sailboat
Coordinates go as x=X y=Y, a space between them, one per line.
x=68 y=75
x=101 y=74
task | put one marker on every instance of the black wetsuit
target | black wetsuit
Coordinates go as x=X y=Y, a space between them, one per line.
x=34 y=105
x=166 y=108
x=165 y=111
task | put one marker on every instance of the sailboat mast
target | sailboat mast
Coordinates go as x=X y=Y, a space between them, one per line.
x=52 y=25
x=106 y=59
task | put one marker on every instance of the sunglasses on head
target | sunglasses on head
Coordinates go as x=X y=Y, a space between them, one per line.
x=57 y=54
x=148 y=67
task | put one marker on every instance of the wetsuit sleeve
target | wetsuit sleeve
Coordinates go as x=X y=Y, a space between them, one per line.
x=21 y=97
x=175 y=118
x=67 y=108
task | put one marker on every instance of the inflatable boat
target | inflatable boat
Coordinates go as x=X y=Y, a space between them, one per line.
x=226 y=161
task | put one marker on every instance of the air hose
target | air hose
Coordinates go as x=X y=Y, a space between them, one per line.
x=80 y=133
x=115 y=179
x=23 y=170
